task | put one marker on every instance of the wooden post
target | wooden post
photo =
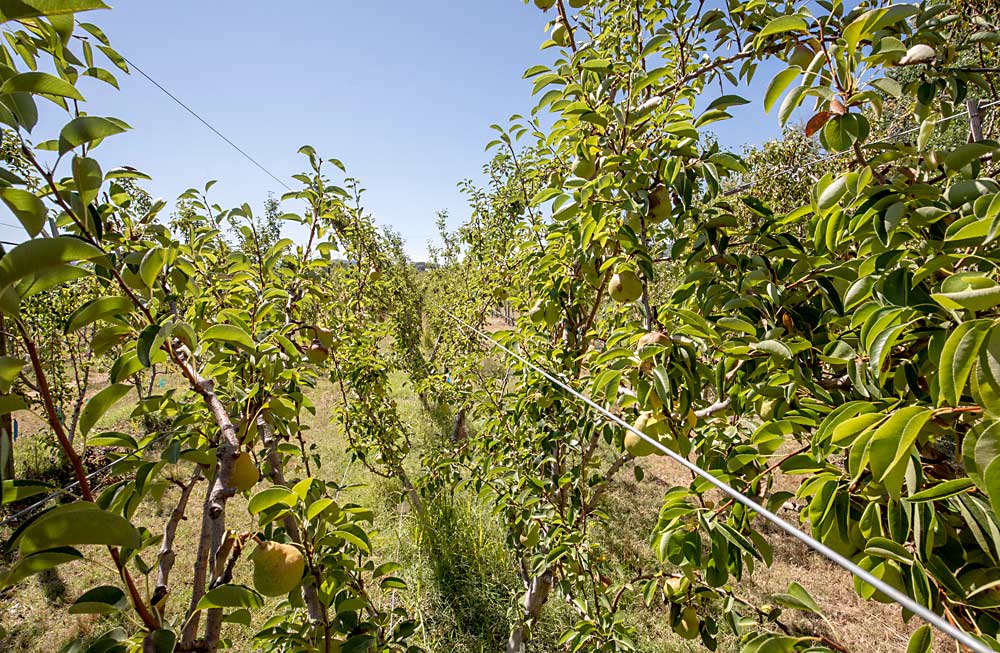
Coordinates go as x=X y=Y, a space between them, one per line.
x=975 y=121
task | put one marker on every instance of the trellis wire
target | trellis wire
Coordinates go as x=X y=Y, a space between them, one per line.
x=206 y=123
x=902 y=599
x=63 y=490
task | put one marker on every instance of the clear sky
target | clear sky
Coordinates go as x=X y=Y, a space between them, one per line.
x=402 y=91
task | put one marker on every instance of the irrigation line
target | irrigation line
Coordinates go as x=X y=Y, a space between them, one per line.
x=63 y=490
x=837 y=155
x=207 y=124
x=902 y=599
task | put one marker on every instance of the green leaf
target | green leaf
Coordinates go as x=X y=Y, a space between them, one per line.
x=40 y=84
x=971 y=299
x=865 y=26
x=963 y=155
x=241 y=616
x=163 y=641
x=27 y=208
x=11 y=403
x=231 y=334
x=958 y=356
x=790 y=103
x=892 y=443
x=797 y=598
x=270 y=497
x=88 y=177
x=20 y=9
x=98 y=309
x=99 y=405
x=736 y=324
x=148 y=346
x=10 y=368
x=151 y=265
x=942 y=490
x=804 y=598
x=881 y=547
x=773 y=347
x=17 y=490
x=75 y=524
x=783 y=24
x=778 y=85
x=105 y=599
x=87 y=129
x=726 y=101
x=33 y=256
x=921 y=641
x=231 y=596
x=832 y=193
x=38 y=562
x=991 y=479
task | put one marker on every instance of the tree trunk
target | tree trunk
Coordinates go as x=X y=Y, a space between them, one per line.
x=6 y=423
x=534 y=599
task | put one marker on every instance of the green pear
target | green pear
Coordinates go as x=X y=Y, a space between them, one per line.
x=585 y=168
x=637 y=446
x=687 y=627
x=660 y=205
x=625 y=287
x=545 y=5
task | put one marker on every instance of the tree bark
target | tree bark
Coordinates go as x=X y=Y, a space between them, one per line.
x=6 y=422
x=535 y=598
x=167 y=556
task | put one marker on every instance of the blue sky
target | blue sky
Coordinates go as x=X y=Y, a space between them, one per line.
x=402 y=91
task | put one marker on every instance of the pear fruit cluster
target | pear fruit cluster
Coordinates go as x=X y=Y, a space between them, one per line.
x=277 y=568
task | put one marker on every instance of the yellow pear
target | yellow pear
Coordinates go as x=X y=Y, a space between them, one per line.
x=317 y=352
x=676 y=587
x=640 y=447
x=654 y=338
x=277 y=568
x=245 y=474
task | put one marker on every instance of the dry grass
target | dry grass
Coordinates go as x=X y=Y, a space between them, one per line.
x=861 y=626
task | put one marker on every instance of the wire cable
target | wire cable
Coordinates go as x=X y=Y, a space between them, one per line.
x=836 y=155
x=206 y=123
x=902 y=599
